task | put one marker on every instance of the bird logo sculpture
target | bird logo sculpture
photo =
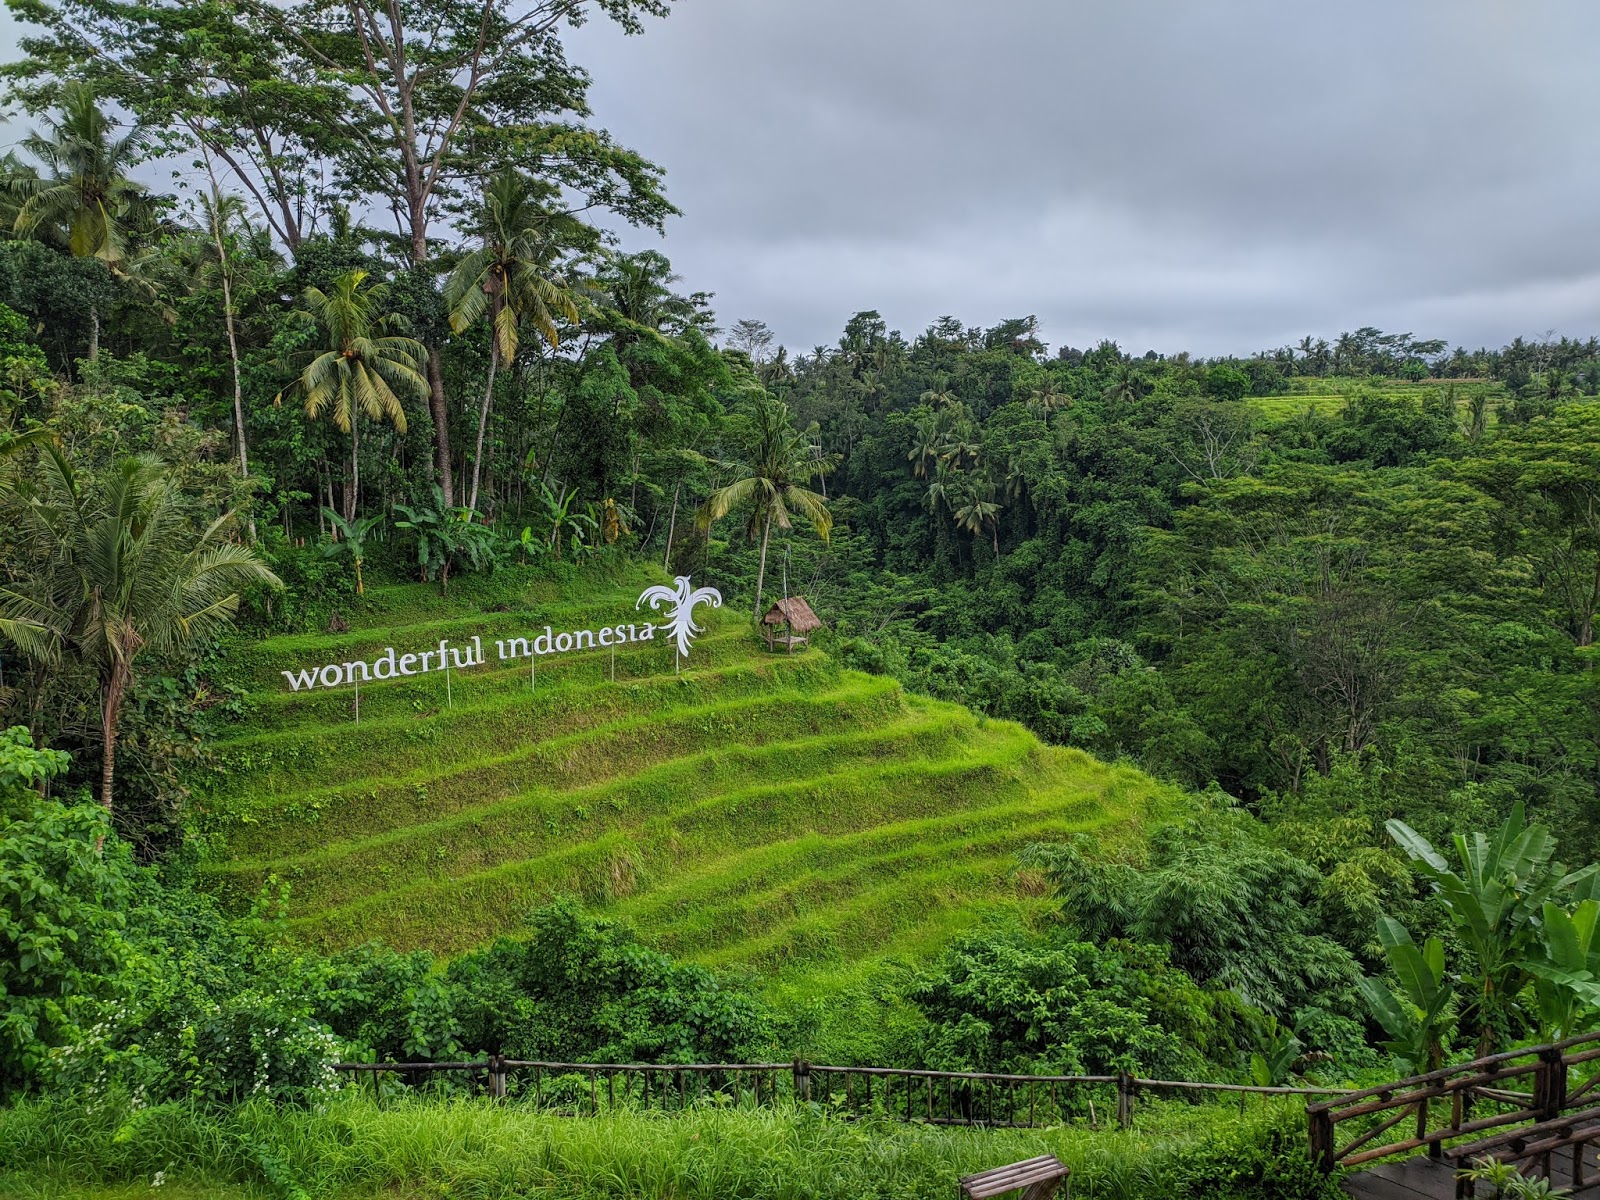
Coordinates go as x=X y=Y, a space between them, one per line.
x=683 y=597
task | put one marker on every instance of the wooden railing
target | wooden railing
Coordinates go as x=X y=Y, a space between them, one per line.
x=1458 y=1111
x=932 y=1097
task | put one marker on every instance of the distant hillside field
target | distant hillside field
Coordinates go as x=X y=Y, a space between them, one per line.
x=757 y=809
x=1328 y=394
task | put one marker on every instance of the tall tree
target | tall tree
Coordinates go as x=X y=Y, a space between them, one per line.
x=121 y=571
x=400 y=98
x=434 y=89
x=83 y=200
x=510 y=278
x=360 y=372
x=199 y=74
x=770 y=483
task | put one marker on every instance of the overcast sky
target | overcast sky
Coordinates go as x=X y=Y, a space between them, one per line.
x=1212 y=175
x=1217 y=175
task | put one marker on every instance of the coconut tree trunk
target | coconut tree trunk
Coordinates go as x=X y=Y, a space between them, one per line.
x=233 y=347
x=94 y=332
x=441 y=427
x=672 y=525
x=351 y=498
x=761 y=573
x=116 y=687
x=483 y=424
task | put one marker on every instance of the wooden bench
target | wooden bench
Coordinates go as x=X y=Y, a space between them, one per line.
x=1039 y=1176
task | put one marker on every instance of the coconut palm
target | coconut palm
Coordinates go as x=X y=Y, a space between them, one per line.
x=771 y=483
x=941 y=486
x=639 y=287
x=979 y=510
x=927 y=444
x=360 y=373
x=510 y=279
x=83 y=200
x=239 y=260
x=122 y=572
x=1043 y=401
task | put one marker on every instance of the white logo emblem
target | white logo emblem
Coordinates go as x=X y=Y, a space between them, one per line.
x=680 y=621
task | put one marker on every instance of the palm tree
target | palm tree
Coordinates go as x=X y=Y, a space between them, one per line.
x=926 y=446
x=509 y=280
x=771 y=481
x=979 y=509
x=122 y=572
x=639 y=288
x=941 y=486
x=962 y=446
x=359 y=373
x=1046 y=400
x=1126 y=386
x=84 y=201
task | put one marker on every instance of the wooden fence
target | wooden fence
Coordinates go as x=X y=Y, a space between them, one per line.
x=933 y=1097
x=1498 y=1106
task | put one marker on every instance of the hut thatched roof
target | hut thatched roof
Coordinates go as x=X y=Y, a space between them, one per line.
x=794 y=612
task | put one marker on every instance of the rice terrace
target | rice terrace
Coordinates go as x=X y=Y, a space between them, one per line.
x=688 y=599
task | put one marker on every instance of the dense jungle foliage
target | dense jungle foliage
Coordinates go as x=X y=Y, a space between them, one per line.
x=1343 y=593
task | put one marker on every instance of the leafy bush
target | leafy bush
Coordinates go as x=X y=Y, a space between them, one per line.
x=1008 y=1003
x=61 y=941
x=581 y=989
x=1236 y=911
x=1266 y=1160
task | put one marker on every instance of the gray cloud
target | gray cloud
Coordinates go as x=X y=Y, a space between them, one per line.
x=1219 y=176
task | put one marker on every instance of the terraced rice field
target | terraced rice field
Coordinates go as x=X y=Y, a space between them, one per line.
x=1328 y=395
x=755 y=809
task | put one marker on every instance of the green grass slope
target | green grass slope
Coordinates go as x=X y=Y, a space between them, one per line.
x=754 y=809
x=1328 y=394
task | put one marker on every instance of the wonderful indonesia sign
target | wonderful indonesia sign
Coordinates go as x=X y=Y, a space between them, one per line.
x=678 y=627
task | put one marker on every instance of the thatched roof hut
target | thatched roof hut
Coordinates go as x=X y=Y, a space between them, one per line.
x=795 y=617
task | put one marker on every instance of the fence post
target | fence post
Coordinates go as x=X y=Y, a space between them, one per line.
x=497 y=1076
x=1320 y=1130
x=1124 y=1099
x=802 y=1079
x=1550 y=1092
x=1435 y=1149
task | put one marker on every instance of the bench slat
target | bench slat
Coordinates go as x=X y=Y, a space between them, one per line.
x=1029 y=1164
x=1010 y=1178
x=985 y=1191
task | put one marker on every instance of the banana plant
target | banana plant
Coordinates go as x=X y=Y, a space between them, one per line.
x=1566 y=983
x=531 y=545
x=1273 y=1064
x=562 y=521
x=1418 y=1017
x=350 y=540
x=1496 y=904
x=447 y=534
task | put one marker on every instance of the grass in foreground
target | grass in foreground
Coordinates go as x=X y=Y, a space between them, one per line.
x=350 y=1149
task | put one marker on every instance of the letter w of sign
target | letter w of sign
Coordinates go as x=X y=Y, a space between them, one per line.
x=300 y=679
x=680 y=621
